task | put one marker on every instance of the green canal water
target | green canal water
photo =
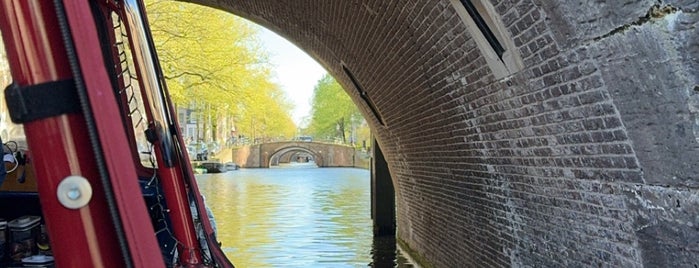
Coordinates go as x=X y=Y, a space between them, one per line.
x=297 y=216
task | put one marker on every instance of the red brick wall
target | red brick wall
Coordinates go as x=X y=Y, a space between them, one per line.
x=325 y=154
x=587 y=156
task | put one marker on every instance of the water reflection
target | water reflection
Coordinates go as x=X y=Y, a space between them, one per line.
x=385 y=253
x=296 y=217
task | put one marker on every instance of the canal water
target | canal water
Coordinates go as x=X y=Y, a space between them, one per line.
x=297 y=215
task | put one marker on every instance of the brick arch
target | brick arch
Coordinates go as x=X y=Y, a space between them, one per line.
x=586 y=156
x=317 y=155
x=290 y=156
x=326 y=154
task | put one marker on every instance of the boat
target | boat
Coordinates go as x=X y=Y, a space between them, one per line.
x=230 y=166
x=217 y=167
x=212 y=167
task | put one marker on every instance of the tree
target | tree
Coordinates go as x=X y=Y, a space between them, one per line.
x=266 y=115
x=204 y=52
x=214 y=64
x=333 y=114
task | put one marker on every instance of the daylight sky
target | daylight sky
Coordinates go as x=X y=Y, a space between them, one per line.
x=296 y=72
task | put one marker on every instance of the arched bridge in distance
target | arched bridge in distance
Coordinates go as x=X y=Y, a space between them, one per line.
x=269 y=154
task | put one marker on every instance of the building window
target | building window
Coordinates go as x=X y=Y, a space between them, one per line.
x=490 y=35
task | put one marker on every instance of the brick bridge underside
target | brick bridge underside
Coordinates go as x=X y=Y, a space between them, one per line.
x=584 y=154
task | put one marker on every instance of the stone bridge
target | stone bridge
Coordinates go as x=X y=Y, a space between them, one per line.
x=271 y=154
x=520 y=133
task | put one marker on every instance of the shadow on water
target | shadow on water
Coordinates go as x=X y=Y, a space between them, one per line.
x=299 y=216
x=385 y=253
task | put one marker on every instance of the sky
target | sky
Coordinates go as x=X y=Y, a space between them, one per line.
x=296 y=72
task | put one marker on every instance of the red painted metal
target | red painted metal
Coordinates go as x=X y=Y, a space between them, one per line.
x=120 y=162
x=180 y=214
x=60 y=147
x=216 y=252
x=171 y=178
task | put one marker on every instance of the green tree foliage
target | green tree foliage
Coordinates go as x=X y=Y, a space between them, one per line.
x=333 y=115
x=214 y=64
x=266 y=116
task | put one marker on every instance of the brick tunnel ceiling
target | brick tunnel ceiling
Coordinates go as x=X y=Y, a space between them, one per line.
x=572 y=144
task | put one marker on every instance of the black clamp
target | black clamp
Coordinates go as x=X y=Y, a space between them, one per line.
x=34 y=102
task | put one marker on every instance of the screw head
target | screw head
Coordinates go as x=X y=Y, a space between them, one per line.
x=74 y=192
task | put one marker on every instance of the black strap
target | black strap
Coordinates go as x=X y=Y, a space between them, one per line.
x=40 y=101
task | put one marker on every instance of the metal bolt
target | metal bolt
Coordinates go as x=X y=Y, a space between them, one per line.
x=74 y=192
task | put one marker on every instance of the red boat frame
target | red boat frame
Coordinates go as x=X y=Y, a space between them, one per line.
x=114 y=229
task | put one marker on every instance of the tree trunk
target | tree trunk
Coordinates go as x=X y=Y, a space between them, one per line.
x=341 y=125
x=214 y=127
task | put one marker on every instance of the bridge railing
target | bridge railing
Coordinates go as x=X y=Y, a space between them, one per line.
x=247 y=142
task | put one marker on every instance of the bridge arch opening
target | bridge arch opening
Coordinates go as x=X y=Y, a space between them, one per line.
x=566 y=160
x=295 y=154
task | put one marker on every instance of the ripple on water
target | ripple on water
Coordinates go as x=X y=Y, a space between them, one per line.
x=297 y=217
